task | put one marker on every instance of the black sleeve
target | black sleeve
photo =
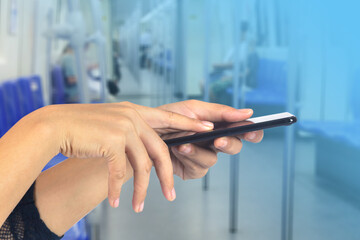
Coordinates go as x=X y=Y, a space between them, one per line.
x=24 y=222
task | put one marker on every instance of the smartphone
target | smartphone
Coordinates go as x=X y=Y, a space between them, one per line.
x=232 y=129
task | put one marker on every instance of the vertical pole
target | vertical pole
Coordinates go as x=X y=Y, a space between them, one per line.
x=234 y=160
x=48 y=85
x=77 y=40
x=35 y=36
x=173 y=52
x=180 y=49
x=81 y=76
x=101 y=50
x=288 y=186
x=289 y=145
x=163 y=60
x=207 y=48
x=234 y=193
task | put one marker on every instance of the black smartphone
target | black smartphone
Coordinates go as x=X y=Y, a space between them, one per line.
x=231 y=129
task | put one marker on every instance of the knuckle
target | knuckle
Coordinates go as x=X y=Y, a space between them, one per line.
x=111 y=146
x=193 y=169
x=139 y=187
x=170 y=122
x=164 y=149
x=115 y=138
x=130 y=111
x=118 y=175
x=103 y=151
x=121 y=139
x=147 y=167
x=163 y=156
x=159 y=164
x=126 y=124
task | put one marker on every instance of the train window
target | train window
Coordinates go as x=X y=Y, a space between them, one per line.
x=281 y=23
x=261 y=27
x=270 y=23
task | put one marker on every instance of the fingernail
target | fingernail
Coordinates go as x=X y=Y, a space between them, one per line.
x=208 y=125
x=186 y=149
x=116 y=203
x=141 y=207
x=223 y=143
x=247 y=111
x=173 y=194
x=251 y=136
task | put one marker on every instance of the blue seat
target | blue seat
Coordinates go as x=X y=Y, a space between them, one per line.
x=271 y=84
x=77 y=232
x=348 y=132
x=56 y=160
x=58 y=86
x=25 y=100
x=11 y=103
x=36 y=91
x=30 y=94
x=18 y=99
x=338 y=146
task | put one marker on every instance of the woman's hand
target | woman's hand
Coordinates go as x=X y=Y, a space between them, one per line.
x=192 y=161
x=118 y=132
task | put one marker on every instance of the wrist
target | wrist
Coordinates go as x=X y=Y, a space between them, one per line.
x=45 y=126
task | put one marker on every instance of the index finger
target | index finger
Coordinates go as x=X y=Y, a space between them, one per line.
x=158 y=118
x=217 y=112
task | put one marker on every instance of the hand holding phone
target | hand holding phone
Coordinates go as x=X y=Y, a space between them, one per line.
x=233 y=129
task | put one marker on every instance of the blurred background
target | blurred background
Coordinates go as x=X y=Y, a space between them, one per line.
x=302 y=182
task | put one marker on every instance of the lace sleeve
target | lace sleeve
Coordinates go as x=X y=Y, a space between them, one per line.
x=24 y=222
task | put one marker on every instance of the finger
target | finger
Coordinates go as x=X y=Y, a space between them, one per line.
x=180 y=122
x=159 y=153
x=172 y=120
x=196 y=161
x=217 y=112
x=254 y=137
x=158 y=118
x=205 y=158
x=228 y=145
x=141 y=164
x=117 y=173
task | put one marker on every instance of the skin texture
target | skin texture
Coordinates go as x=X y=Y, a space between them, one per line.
x=107 y=144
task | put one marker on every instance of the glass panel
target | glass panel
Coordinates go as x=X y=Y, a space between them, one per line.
x=273 y=56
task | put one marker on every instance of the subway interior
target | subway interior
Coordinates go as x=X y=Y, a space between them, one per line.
x=300 y=182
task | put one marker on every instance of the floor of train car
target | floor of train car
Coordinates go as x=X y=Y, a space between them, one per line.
x=198 y=214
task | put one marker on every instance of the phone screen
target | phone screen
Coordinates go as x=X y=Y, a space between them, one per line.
x=231 y=129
